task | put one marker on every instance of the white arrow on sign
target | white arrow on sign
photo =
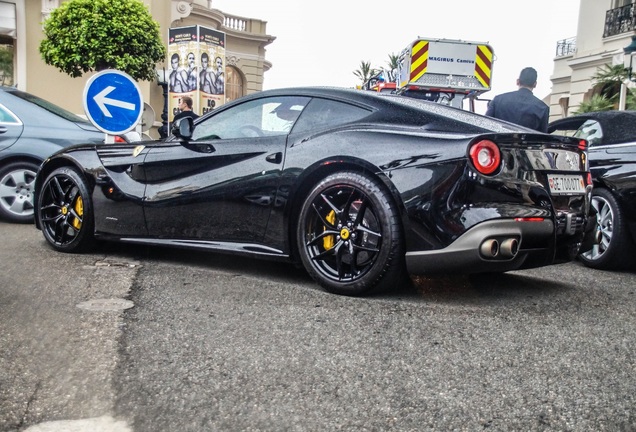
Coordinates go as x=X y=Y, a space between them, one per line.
x=101 y=100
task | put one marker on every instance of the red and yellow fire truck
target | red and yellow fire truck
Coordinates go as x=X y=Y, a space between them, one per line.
x=441 y=70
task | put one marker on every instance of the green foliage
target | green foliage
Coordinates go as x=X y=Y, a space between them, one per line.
x=610 y=78
x=595 y=103
x=92 y=35
x=393 y=64
x=365 y=72
x=630 y=102
x=6 y=63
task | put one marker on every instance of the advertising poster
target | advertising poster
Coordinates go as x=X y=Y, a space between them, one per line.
x=183 y=55
x=212 y=71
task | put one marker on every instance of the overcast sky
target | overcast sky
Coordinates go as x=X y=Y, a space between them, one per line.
x=322 y=43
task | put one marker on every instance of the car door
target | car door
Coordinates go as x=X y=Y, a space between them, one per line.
x=221 y=185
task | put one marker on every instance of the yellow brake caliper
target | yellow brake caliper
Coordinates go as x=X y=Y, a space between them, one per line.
x=79 y=210
x=329 y=241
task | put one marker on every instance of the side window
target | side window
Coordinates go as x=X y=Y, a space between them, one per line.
x=7 y=116
x=591 y=131
x=323 y=113
x=272 y=116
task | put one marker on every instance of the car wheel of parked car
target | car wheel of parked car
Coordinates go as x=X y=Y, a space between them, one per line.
x=349 y=235
x=65 y=211
x=16 y=191
x=614 y=249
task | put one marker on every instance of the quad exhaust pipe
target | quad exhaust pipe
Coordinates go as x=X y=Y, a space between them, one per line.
x=492 y=248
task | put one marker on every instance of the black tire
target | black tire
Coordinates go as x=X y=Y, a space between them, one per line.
x=16 y=191
x=65 y=211
x=349 y=235
x=615 y=248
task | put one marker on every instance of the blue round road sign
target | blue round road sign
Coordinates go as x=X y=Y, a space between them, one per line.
x=113 y=102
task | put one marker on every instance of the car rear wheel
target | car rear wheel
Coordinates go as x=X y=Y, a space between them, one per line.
x=615 y=247
x=349 y=235
x=65 y=211
x=16 y=191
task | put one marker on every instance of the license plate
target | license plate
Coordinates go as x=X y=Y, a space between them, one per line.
x=562 y=184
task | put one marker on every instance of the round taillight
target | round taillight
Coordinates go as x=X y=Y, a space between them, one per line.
x=486 y=156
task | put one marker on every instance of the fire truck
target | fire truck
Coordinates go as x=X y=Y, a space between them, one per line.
x=446 y=71
x=381 y=82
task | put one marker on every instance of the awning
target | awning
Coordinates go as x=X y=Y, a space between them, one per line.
x=7 y=19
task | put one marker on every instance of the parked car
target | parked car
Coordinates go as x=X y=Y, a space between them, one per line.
x=356 y=186
x=31 y=129
x=612 y=152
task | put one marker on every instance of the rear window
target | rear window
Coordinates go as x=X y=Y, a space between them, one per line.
x=324 y=113
x=592 y=131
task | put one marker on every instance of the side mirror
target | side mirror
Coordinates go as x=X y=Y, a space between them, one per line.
x=183 y=128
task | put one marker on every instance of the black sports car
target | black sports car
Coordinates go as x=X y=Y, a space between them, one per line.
x=358 y=187
x=612 y=151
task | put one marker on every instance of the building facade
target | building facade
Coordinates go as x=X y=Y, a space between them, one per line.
x=605 y=28
x=21 y=33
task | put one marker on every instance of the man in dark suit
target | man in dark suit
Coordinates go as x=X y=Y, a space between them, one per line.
x=521 y=106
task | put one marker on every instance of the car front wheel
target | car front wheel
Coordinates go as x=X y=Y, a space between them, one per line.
x=16 y=191
x=349 y=235
x=65 y=211
x=615 y=246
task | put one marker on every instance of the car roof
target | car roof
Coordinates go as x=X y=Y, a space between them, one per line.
x=618 y=126
x=399 y=103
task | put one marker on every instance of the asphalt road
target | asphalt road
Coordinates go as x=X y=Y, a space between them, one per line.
x=217 y=343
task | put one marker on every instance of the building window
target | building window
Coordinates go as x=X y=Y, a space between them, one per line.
x=6 y=61
x=234 y=87
x=13 y=43
x=7 y=37
x=621 y=3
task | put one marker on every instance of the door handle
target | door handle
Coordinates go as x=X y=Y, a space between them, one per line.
x=274 y=158
x=2 y=129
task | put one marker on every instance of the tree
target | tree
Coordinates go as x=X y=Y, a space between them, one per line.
x=595 y=103
x=393 y=65
x=610 y=78
x=92 y=35
x=365 y=72
x=6 y=64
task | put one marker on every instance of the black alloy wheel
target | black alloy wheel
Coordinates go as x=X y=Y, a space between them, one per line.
x=349 y=235
x=65 y=211
x=615 y=248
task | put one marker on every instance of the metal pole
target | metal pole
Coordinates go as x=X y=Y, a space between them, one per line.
x=623 y=97
x=163 y=130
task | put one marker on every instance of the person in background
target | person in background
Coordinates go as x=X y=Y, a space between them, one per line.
x=186 y=109
x=521 y=106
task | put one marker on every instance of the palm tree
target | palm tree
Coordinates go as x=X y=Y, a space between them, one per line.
x=365 y=72
x=393 y=65
x=597 y=102
x=610 y=78
x=608 y=81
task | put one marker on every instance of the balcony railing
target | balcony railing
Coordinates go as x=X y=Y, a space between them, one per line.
x=619 y=20
x=235 y=23
x=566 y=47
